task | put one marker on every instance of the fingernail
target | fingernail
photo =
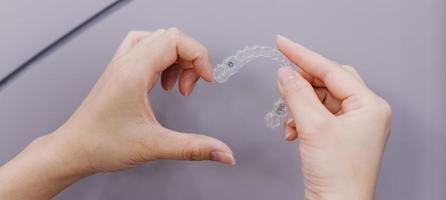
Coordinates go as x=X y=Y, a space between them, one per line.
x=287 y=40
x=280 y=37
x=186 y=93
x=211 y=81
x=212 y=78
x=223 y=157
x=285 y=74
x=287 y=137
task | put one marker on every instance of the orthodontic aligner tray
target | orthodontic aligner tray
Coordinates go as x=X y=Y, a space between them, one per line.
x=231 y=65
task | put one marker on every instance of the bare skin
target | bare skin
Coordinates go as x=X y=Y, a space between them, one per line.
x=342 y=125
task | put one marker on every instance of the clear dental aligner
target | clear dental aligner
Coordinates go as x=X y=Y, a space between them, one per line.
x=233 y=64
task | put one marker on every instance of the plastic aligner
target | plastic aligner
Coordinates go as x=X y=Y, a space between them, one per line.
x=231 y=65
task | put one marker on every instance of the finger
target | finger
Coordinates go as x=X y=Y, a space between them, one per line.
x=187 y=81
x=186 y=146
x=330 y=102
x=354 y=72
x=130 y=40
x=339 y=82
x=162 y=50
x=305 y=107
x=312 y=80
x=290 y=130
x=169 y=76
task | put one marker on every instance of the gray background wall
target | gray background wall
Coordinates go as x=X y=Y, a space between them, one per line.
x=398 y=46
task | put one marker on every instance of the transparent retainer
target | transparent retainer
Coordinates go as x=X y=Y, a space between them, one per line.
x=231 y=65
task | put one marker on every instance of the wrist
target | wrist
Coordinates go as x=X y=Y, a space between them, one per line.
x=57 y=159
x=44 y=168
x=338 y=196
x=63 y=155
x=353 y=192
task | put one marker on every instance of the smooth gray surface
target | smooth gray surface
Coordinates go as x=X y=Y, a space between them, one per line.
x=28 y=26
x=398 y=46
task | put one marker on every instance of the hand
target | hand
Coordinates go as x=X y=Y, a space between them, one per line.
x=342 y=125
x=115 y=128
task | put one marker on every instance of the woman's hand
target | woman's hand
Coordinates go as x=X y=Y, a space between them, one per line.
x=115 y=128
x=342 y=125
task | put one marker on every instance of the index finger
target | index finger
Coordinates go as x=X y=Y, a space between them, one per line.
x=338 y=81
x=165 y=47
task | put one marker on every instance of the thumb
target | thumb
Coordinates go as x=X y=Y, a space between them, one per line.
x=305 y=107
x=188 y=146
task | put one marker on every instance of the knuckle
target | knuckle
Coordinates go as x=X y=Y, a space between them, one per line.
x=293 y=88
x=334 y=74
x=136 y=35
x=333 y=62
x=193 y=151
x=386 y=109
x=348 y=66
x=204 y=51
x=161 y=30
x=132 y=34
x=186 y=153
x=351 y=69
x=287 y=92
x=174 y=32
x=380 y=107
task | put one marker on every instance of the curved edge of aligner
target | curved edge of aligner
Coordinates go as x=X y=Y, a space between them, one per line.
x=232 y=64
x=277 y=115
